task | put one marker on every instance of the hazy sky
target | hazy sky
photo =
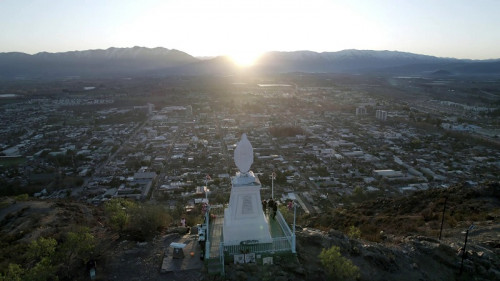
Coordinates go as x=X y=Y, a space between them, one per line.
x=447 y=28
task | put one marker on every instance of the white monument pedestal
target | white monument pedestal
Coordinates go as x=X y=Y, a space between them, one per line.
x=244 y=219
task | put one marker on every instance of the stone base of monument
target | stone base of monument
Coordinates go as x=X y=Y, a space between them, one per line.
x=244 y=219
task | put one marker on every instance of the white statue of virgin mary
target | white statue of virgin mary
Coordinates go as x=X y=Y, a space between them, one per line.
x=243 y=154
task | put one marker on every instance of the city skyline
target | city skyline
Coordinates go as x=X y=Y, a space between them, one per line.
x=244 y=29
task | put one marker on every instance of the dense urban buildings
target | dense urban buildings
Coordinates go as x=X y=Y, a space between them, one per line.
x=356 y=156
x=325 y=138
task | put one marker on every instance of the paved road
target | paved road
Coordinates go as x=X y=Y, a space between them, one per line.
x=168 y=155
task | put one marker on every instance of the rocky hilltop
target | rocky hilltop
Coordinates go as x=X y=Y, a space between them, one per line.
x=396 y=252
x=402 y=258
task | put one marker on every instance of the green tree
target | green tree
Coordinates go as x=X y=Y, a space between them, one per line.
x=338 y=267
x=280 y=178
x=79 y=245
x=322 y=171
x=42 y=271
x=14 y=273
x=358 y=194
x=415 y=143
x=117 y=211
x=40 y=266
x=147 y=219
x=287 y=214
x=141 y=220
x=119 y=219
x=41 y=248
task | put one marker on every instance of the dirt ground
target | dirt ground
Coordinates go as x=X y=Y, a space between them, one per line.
x=136 y=261
x=388 y=260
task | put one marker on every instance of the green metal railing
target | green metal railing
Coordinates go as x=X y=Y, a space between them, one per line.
x=279 y=244
x=285 y=243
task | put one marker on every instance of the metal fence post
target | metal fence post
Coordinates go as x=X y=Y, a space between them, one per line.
x=293 y=232
x=207 y=235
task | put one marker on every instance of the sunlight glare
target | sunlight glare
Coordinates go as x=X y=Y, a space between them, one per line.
x=244 y=59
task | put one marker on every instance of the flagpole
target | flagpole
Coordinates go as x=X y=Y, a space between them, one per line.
x=206 y=187
x=272 y=184
x=294 y=218
x=207 y=219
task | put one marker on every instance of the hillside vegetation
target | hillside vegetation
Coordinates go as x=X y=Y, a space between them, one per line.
x=49 y=240
x=417 y=214
x=385 y=238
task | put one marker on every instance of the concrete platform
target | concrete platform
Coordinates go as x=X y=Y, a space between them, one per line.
x=171 y=264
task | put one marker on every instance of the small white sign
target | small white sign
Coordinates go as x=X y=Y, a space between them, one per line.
x=267 y=260
x=250 y=258
x=239 y=258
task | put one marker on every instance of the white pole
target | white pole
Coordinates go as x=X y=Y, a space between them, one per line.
x=207 y=218
x=206 y=190
x=207 y=241
x=272 y=184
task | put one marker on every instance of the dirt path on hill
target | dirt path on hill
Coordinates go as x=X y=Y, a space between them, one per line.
x=135 y=261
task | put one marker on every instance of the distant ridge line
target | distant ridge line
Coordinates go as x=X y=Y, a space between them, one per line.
x=159 y=61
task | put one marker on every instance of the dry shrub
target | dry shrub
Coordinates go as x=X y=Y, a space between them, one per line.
x=428 y=214
x=370 y=232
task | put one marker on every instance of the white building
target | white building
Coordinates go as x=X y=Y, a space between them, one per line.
x=381 y=115
x=360 y=111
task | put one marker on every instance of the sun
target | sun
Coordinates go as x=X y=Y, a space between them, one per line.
x=245 y=58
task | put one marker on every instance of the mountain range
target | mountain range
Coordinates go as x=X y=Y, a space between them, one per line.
x=141 y=61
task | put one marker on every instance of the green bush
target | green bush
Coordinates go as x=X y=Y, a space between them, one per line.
x=139 y=219
x=117 y=211
x=14 y=273
x=40 y=263
x=147 y=220
x=78 y=246
x=338 y=267
x=354 y=232
x=22 y=197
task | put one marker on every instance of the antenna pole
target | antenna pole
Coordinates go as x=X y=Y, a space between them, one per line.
x=442 y=217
